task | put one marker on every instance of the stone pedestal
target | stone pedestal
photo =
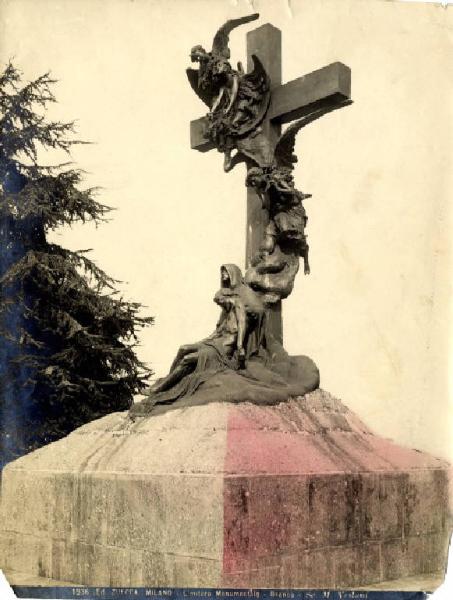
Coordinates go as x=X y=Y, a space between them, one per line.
x=300 y=494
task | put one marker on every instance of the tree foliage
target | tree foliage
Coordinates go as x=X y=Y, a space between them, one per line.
x=67 y=340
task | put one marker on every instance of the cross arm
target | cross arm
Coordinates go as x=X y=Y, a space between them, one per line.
x=322 y=87
x=293 y=100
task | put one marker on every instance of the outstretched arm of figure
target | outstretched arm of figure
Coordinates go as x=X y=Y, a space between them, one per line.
x=182 y=353
x=185 y=365
x=233 y=93
x=216 y=102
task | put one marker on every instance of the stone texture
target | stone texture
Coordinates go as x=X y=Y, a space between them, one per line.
x=121 y=503
x=300 y=494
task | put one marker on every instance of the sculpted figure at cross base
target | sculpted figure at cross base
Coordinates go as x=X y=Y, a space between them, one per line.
x=239 y=361
x=237 y=336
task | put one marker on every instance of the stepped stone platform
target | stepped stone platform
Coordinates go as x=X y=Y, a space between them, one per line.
x=300 y=494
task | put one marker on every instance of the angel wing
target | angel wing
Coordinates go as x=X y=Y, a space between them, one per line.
x=204 y=94
x=284 y=150
x=258 y=77
x=254 y=90
x=221 y=38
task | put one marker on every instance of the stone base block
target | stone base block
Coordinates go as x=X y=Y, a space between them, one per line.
x=300 y=494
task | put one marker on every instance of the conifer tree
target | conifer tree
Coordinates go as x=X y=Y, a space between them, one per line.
x=67 y=340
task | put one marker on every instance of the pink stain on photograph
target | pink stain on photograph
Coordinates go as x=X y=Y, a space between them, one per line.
x=307 y=479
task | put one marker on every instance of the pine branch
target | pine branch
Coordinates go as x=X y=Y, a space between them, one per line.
x=67 y=338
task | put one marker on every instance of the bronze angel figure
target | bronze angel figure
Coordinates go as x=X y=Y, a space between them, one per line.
x=274 y=267
x=237 y=101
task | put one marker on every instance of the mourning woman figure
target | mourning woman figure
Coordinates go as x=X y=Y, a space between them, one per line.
x=238 y=336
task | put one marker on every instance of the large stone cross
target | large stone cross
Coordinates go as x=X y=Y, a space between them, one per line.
x=292 y=100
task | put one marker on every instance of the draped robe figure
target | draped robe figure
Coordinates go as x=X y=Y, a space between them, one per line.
x=239 y=334
x=239 y=361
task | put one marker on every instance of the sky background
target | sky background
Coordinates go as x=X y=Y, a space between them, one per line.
x=374 y=312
